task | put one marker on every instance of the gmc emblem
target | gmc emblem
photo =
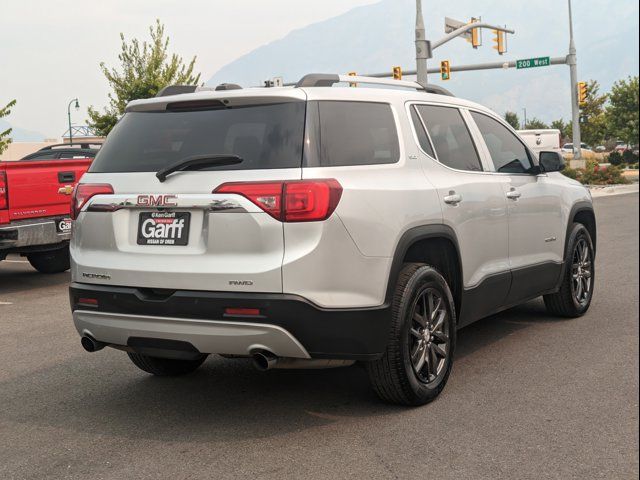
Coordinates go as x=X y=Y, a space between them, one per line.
x=157 y=200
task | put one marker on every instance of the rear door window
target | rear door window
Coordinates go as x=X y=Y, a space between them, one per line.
x=423 y=139
x=265 y=136
x=508 y=153
x=352 y=133
x=451 y=138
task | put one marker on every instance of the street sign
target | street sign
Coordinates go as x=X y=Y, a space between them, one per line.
x=533 y=62
x=450 y=25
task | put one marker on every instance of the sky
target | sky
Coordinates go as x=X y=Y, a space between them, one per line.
x=50 y=51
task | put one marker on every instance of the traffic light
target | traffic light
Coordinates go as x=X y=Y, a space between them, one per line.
x=397 y=73
x=476 y=40
x=500 y=41
x=582 y=93
x=445 y=70
x=353 y=74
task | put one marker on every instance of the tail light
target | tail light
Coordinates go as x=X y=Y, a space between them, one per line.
x=4 y=193
x=291 y=200
x=83 y=193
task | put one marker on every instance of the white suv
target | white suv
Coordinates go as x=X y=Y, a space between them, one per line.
x=315 y=226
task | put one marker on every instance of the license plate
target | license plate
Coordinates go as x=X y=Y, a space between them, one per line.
x=163 y=228
x=63 y=225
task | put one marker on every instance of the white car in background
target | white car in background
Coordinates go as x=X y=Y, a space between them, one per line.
x=568 y=148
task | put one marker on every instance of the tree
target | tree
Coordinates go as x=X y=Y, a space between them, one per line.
x=145 y=69
x=535 y=124
x=512 y=119
x=5 y=140
x=622 y=112
x=565 y=128
x=593 y=125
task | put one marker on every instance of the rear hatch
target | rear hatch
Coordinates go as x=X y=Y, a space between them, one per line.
x=136 y=230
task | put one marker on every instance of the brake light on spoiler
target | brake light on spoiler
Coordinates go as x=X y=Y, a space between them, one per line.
x=83 y=193
x=290 y=200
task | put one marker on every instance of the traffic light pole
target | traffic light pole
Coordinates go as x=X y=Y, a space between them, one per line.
x=423 y=49
x=575 y=107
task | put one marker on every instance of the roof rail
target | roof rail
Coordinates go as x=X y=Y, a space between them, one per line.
x=176 y=90
x=74 y=146
x=328 y=80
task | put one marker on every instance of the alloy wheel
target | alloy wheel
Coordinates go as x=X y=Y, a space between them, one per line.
x=429 y=336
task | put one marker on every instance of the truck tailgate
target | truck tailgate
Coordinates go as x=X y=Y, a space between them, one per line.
x=40 y=188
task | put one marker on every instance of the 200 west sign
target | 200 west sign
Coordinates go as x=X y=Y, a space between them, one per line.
x=533 y=62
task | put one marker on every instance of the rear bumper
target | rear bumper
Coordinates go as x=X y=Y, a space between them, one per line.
x=27 y=234
x=288 y=325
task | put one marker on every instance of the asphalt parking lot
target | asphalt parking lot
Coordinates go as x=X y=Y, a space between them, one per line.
x=530 y=397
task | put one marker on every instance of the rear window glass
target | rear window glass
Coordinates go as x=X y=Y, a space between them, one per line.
x=265 y=136
x=352 y=133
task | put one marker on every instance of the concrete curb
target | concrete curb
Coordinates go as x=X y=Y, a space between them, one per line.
x=607 y=190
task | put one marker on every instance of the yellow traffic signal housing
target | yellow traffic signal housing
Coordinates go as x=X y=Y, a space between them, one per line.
x=353 y=74
x=500 y=41
x=397 y=73
x=445 y=70
x=476 y=40
x=582 y=93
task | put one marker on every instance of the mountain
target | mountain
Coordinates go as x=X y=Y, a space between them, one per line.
x=375 y=37
x=20 y=134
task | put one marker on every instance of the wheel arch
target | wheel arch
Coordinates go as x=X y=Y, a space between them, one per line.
x=583 y=213
x=436 y=245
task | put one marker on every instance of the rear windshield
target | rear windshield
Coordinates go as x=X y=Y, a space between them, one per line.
x=265 y=136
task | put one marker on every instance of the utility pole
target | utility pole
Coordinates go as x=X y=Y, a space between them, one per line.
x=575 y=107
x=524 y=124
x=423 y=49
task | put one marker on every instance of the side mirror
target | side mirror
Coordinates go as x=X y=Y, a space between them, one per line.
x=551 y=161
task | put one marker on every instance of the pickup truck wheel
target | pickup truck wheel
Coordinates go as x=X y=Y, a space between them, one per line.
x=417 y=362
x=55 y=261
x=165 y=367
x=574 y=297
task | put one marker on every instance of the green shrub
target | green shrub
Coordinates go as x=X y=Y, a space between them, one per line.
x=593 y=174
x=615 y=158
x=629 y=157
x=573 y=173
x=603 y=176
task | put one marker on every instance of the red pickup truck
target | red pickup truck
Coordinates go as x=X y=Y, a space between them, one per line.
x=34 y=208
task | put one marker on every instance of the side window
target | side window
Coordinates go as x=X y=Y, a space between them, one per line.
x=509 y=154
x=356 y=133
x=451 y=138
x=425 y=144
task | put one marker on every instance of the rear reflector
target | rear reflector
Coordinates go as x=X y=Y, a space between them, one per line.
x=247 y=312
x=4 y=193
x=291 y=200
x=83 y=193
x=93 y=302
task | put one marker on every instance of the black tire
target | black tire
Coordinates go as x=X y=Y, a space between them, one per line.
x=394 y=376
x=165 y=367
x=564 y=303
x=54 y=261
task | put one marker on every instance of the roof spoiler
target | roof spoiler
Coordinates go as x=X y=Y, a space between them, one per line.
x=176 y=90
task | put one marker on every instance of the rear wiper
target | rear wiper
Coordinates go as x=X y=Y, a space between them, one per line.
x=196 y=162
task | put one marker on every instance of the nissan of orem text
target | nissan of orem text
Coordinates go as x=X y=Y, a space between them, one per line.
x=318 y=225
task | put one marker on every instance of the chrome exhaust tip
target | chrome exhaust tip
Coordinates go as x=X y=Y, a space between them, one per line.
x=264 y=361
x=90 y=344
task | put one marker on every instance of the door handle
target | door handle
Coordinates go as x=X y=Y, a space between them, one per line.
x=453 y=198
x=66 y=177
x=513 y=194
